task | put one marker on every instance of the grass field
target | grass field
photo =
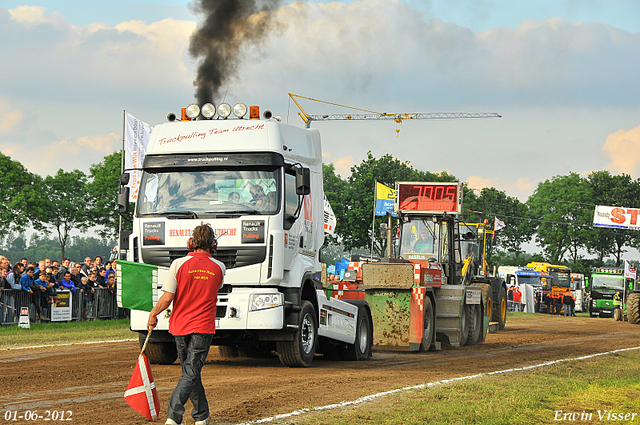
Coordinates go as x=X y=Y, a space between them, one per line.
x=583 y=392
x=65 y=332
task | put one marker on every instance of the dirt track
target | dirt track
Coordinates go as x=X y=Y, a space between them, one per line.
x=89 y=380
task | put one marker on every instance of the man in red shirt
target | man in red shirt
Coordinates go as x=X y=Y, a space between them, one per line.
x=192 y=286
x=517 y=297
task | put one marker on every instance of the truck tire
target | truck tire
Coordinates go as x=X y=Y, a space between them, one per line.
x=361 y=347
x=633 y=308
x=464 y=319
x=500 y=313
x=300 y=351
x=160 y=352
x=617 y=315
x=429 y=325
x=228 y=351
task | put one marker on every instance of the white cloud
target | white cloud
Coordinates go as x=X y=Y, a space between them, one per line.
x=33 y=15
x=64 y=153
x=623 y=147
x=10 y=118
x=520 y=188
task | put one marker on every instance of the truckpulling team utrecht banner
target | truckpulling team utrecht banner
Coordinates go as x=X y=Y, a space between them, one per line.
x=616 y=217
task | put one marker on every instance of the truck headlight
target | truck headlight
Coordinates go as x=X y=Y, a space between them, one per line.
x=262 y=301
x=593 y=303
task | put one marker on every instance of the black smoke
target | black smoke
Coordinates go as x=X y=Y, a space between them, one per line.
x=228 y=26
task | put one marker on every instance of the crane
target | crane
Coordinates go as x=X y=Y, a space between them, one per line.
x=372 y=115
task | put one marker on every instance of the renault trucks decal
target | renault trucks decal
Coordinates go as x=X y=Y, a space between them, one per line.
x=252 y=231
x=153 y=233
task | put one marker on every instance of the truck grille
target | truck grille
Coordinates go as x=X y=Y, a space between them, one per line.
x=231 y=258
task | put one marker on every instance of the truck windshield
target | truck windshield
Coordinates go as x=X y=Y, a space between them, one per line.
x=561 y=279
x=211 y=192
x=607 y=282
x=529 y=280
x=418 y=237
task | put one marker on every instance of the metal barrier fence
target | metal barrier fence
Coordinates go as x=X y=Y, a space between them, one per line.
x=101 y=305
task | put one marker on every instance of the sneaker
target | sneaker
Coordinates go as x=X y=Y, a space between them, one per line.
x=205 y=422
x=171 y=422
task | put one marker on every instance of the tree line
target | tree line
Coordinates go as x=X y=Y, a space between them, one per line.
x=558 y=215
x=59 y=204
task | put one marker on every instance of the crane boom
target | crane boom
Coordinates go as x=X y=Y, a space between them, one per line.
x=372 y=115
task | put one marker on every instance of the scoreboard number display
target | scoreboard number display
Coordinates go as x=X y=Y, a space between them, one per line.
x=429 y=198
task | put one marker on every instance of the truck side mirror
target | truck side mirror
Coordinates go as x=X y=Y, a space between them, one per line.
x=124 y=179
x=123 y=201
x=303 y=181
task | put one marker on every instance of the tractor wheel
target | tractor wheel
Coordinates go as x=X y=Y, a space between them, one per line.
x=475 y=324
x=500 y=314
x=300 y=351
x=464 y=328
x=633 y=308
x=429 y=325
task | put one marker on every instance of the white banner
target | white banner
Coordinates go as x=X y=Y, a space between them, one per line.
x=329 y=218
x=136 y=138
x=616 y=217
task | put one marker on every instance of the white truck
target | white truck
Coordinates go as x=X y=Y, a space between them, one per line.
x=258 y=182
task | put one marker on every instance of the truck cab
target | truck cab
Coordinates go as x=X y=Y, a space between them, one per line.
x=258 y=183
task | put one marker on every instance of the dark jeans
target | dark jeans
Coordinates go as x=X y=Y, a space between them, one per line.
x=192 y=352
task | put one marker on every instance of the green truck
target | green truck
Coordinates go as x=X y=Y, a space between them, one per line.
x=605 y=282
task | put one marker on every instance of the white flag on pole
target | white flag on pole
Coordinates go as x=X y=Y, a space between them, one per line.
x=628 y=271
x=498 y=225
x=136 y=138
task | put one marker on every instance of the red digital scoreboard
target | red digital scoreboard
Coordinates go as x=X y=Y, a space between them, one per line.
x=431 y=198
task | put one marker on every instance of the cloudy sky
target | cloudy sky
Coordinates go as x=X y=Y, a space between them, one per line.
x=562 y=73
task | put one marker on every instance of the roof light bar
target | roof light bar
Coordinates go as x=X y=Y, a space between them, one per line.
x=193 y=111
x=208 y=110
x=239 y=110
x=224 y=110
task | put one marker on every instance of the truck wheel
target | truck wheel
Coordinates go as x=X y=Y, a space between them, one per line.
x=617 y=315
x=464 y=328
x=361 y=348
x=300 y=351
x=429 y=325
x=228 y=351
x=475 y=324
x=500 y=314
x=633 y=308
x=160 y=352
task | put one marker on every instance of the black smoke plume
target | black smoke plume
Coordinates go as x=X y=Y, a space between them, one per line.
x=228 y=26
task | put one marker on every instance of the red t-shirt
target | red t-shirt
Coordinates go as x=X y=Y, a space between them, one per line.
x=517 y=296
x=194 y=280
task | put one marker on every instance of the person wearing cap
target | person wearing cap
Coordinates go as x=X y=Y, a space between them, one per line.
x=192 y=286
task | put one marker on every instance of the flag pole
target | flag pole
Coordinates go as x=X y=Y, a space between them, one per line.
x=145 y=341
x=373 y=222
x=124 y=119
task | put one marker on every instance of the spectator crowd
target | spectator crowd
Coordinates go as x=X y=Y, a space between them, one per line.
x=43 y=279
